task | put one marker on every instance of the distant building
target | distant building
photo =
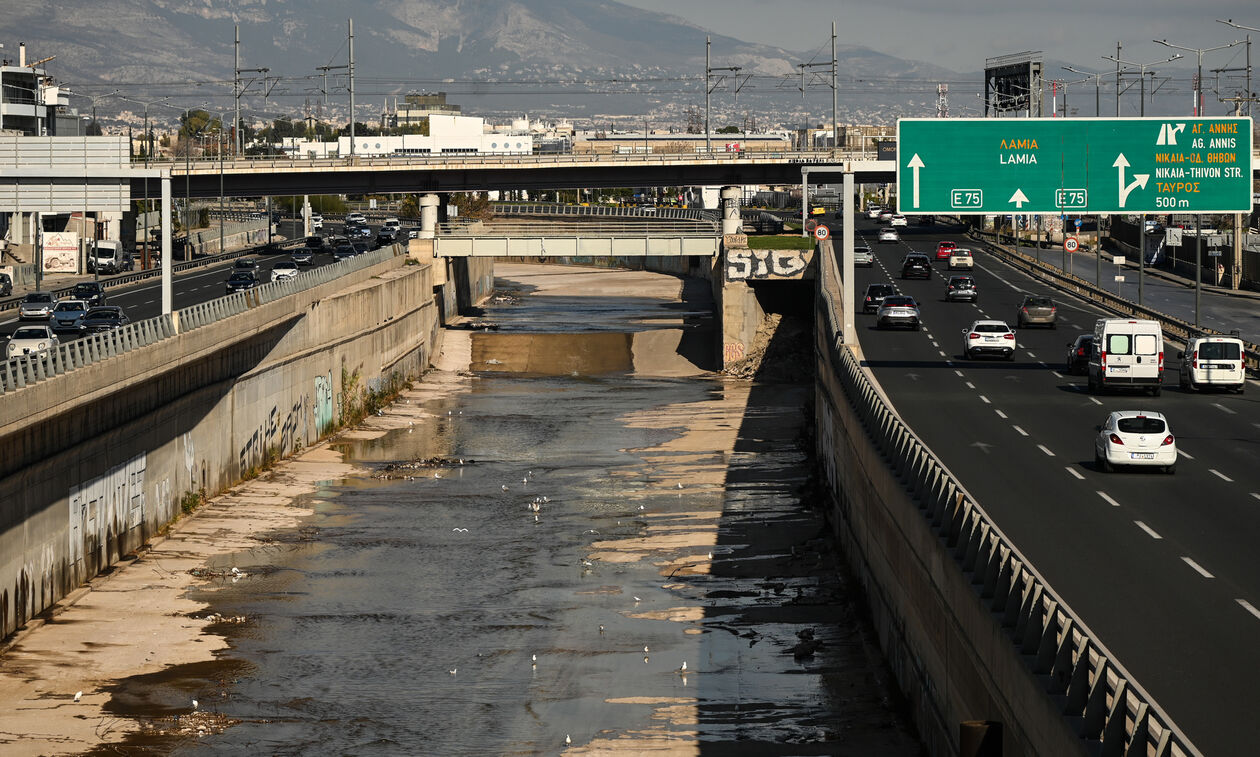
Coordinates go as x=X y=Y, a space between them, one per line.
x=28 y=98
x=608 y=143
x=415 y=109
x=447 y=135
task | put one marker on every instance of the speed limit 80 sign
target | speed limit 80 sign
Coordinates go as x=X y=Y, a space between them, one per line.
x=1070 y=244
x=821 y=233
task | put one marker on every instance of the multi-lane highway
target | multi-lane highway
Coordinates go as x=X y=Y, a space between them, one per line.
x=1162 y=568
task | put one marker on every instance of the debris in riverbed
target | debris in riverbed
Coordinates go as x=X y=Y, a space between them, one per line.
x=400 y=470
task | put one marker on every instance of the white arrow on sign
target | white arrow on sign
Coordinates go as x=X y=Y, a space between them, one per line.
x=1018 y=198
x=915 y=164
x=1139 y=179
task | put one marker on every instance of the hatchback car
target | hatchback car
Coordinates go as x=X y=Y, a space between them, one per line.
x=863 y=256
x=67 y=315
x=987 y=337
x=1135 y=437
x=240 y=281
x=898 y=220
x=104 y=318
x=961 y=289
x=28 y=340
x=303 y=256
x=898 y=310
x=246 y=264
x=283 y=269
x=344 y=252
x=315 y=243
x=874 y=297
x=916 y=264
x=889 y=235
x=91 y=292
x=37 y=306
x=943 y=249
x=1078 y=354
x=1039 y=310
x=873 y=212
x=317 y=221
x=960 y=259
x=885 y=216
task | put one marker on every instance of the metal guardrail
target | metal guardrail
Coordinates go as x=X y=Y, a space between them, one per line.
x=598 y=229
x=1175 y=327
x=28 y=370
x=1081 y=676
x=543 y=209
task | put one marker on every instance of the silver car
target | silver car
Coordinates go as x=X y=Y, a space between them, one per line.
x=37 y=306
x=898 y=310
x=863 y=256
x=67 y=315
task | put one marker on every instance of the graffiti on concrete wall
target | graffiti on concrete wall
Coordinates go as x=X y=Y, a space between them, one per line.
x=106 y=506
x=274 y=435
x=323 y=403
x=732 y=351
x=742 y=265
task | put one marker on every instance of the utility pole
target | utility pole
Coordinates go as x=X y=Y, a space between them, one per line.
x=1248 y=93
x=350 y=66
x=1142 y=69
x=1097 y=88
x=708 y=90
x=835 y=122
x=1117 y=80
x=1198 y=84
x=238 y=91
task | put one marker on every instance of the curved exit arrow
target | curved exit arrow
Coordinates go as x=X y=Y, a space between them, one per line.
x=915 y=164
x=1139 y=179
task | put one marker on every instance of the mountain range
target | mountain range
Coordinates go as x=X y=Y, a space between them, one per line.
x=586 y=59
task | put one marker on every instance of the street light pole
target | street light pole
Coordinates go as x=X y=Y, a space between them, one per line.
x=1198 y=83
x=1142 y=79
x=1097 y=88
x=1230 y=22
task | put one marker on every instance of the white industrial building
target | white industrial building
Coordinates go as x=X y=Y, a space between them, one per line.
x=448 y=135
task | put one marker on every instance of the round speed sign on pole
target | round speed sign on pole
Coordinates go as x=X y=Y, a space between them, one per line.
x=821 y=233
x=1070 y=244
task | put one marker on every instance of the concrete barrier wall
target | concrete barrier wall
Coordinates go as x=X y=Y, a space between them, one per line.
x=94 y=463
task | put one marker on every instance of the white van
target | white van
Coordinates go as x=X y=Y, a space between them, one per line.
x=1127 y=353
x=1215 y=361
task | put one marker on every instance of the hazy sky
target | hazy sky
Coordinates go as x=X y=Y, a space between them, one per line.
x=960 y=34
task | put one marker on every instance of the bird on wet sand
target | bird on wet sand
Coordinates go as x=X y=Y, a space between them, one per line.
x=567 y=740
x=683 y=669
x=78 y=695
x=194 y=702
x=453 y=671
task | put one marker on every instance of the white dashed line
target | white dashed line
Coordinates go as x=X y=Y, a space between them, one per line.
x=1185 y=454
x=1030 y=353
x=1256 y=495
x=1109 y=500
x=1042 y=363
x=1198 y=568
x=1075 y=472
x=970 y=385
x=1220 y=475
x=1056 y=373
x=934 y=344
x=942 y=353
x=1045 y=449
x=958 y=373
x=1021 y=431
x=1000 y=413
x=985 y=400
x=1219 y=406
x=1095 y=400
x=1149 y=531
x=1248 y=607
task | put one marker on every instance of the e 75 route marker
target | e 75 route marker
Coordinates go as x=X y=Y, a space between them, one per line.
x=1087 y=165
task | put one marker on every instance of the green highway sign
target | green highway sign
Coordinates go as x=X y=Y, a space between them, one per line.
x=1074 y=165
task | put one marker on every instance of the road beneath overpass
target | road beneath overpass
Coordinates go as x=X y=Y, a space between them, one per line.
x=1162 y=568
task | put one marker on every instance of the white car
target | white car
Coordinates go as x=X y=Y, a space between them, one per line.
x=885 y=216
x=317 y=222
x=959 y=258
x=873 y=212
x=284 y=269
x=356 y=217
x=987 y=337
x=898 y=220
x=31 y=340
x=392 y=223
x=1135 y=437
x=889 y=235
x=863 y=256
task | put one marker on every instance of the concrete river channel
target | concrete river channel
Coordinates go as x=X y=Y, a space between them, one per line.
x=570 y=537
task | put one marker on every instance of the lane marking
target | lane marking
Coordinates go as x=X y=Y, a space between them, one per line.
x=1030 y=353
x=1149 y=531
x=1041 y=363
x=934 y=344
x=942 y=353
x=1095 y=400
x=1045 y=449
x=1000 y=413
x=1256 y=495
x=1075 y=472
x=1056 y=373
x=970 y=385
x=1222 y=407
x=958 y=373
x=1248 y=607
x=985 y=400
x=1221 y=476
x=1185 y=454
x=1198 y=568
x=1021 y=431
x=1109 y=500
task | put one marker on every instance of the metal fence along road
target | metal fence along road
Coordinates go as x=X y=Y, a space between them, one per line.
x=24 y=371
x=1085 y=681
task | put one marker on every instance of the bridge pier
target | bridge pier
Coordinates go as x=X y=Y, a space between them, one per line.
x=428 y=216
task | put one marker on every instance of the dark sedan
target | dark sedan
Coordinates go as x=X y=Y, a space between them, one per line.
x=344 y=252
x=241 y=280
x=90 y=292
x=1078 y=353
x=104 y=318
x=303 y=256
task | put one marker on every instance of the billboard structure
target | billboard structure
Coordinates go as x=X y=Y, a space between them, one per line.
x=1013 y=85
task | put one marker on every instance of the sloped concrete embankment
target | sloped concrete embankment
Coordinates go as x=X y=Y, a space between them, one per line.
x=96 y=462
